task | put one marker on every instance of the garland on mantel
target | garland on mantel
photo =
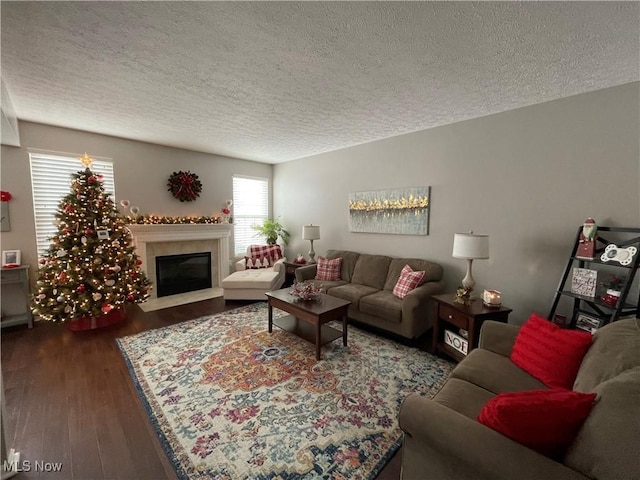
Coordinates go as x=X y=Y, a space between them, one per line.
x=156 y=220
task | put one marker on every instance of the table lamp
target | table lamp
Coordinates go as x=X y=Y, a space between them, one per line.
x=470 y=247
x=311 y=232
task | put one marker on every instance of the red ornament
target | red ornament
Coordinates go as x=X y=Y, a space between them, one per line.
x=81 y=288
x=5 y=196
x=42 y=261
x=130 y=298
x=91 y=179
x=62 y=277
x=138 y=262
x=88 y=231
x=68 y=208
x=107 y=308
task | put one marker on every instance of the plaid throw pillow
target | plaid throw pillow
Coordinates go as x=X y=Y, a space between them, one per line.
x=328 y=270
x=273 y=251
x=408 y=280
x=258 y=262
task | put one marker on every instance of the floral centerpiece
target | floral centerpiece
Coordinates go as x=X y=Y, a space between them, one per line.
x=305 y=290
x=463 y=295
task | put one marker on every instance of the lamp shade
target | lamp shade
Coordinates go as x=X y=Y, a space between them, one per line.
x=468 y=245
x=310 y=232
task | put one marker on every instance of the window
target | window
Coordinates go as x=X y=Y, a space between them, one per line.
x=50 y=182
x=250 y=207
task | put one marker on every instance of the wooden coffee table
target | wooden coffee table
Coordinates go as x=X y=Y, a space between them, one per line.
x=308 y=318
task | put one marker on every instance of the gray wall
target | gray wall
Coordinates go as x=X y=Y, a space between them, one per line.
x=527 y=177
x=141 y=171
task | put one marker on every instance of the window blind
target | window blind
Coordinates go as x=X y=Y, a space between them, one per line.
x=250 y=207
x=50 y=182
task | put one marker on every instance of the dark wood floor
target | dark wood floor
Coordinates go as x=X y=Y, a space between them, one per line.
x=69 y=399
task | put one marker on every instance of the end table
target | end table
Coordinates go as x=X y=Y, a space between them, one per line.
x=290 y=272
x=453 y=316
x=16 y=297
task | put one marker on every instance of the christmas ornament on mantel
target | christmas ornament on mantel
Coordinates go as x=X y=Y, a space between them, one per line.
x=90 y=270
x=185 y=186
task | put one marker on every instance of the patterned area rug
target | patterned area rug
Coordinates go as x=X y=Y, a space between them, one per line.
x=231 y=401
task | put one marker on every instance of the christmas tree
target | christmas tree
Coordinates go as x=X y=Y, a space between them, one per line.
x=91 y=268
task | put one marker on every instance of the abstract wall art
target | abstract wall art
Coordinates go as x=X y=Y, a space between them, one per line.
x=402 y=211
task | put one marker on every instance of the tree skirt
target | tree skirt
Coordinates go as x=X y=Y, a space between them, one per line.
x=91 y=323
x=231 y=401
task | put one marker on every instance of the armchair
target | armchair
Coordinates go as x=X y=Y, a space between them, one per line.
x=252 y=283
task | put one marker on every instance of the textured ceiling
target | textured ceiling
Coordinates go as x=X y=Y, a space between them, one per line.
x=277 y=81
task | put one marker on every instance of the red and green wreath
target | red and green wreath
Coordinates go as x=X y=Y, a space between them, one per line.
x=185 y=186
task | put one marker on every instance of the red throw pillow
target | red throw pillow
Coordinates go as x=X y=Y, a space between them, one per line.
x=328 y=270
x=408 y=280
x=546 y=421
x=551 y=354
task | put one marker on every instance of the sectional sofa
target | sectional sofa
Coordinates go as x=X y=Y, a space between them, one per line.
x=444 y=440
x=367 y=281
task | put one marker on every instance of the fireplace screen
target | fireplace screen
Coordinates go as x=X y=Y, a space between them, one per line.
x=182 y=273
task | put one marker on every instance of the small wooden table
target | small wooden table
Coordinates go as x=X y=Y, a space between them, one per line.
x=307 y=318
x=16 y=297
x=448 y=314
x=290 y=272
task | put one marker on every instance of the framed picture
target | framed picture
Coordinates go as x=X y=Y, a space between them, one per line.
x=587 y=323
x=10 y=258
x=560 y=320
x=402 y=211
x=583 y=282
x=103 y=234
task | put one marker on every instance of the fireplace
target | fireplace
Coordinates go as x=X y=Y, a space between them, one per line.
x=182 y=273
x=153 y=241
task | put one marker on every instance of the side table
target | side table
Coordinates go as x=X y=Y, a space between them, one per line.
x=453 y=316
x=290 y=272
x=15 y=297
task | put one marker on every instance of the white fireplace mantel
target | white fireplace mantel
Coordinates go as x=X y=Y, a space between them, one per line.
x=143 y=234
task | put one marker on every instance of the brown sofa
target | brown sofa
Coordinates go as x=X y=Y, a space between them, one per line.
x=367 y=281
x=443 y=440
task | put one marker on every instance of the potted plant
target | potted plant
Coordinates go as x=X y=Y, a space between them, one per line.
x=271 y=230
